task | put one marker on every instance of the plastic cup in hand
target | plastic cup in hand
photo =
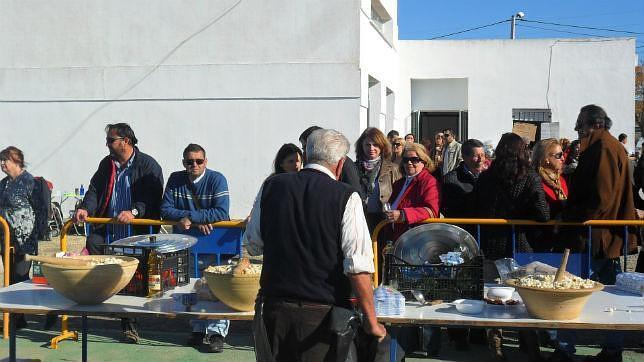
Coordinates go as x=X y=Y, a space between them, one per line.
x=386 y=207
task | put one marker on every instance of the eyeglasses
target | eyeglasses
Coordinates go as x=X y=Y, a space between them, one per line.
x=413 y=160
x=198 y=161
x=109 y=140
x=558 y=155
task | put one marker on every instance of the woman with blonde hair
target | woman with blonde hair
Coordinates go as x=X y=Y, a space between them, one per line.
x=415 y=197
x=397 y=146
x=548 y=162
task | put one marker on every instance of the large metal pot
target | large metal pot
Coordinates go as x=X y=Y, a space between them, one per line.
x=423 y=244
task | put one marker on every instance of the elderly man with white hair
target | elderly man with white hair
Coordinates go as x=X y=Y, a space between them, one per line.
x=313 y=234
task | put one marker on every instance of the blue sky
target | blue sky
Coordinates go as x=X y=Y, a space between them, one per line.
x=424 y=19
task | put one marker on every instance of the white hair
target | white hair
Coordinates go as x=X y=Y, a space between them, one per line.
x=326 y=147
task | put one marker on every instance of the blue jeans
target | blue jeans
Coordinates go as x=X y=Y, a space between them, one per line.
x=211 y=327
x=604 y=271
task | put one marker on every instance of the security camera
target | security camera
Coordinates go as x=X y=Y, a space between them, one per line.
x=520 y=15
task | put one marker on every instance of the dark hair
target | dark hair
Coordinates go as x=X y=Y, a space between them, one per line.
x=621 y=137
x=594 y=115
x=378 y=138
x=307 y=132
x=410 y=134
x=285 y=151
x=193 y=147
x=14 y=154
x=122 y=130
x=392 y=133
x=468 y=146
x=512 y=159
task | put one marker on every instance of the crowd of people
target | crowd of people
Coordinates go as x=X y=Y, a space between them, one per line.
x=392 y=178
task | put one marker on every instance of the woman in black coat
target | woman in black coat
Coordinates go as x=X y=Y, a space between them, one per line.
x=509 y=189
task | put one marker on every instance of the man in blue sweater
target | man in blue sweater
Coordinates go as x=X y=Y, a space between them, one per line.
x=196 y=198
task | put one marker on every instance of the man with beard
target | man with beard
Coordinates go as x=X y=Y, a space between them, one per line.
x=127 y=185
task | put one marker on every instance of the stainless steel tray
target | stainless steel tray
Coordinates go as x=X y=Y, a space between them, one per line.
x=163 y=243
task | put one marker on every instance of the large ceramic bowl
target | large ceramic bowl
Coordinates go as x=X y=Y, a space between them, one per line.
x=555 y=304
x=90 y=284
x=425 y=243
x=236 y=291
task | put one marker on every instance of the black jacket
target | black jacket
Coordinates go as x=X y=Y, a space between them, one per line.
x=457 y=193
x=351 y=177
x=524 y=199
x=146 y=185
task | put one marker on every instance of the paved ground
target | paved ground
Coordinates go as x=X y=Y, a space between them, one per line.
x=163 y=339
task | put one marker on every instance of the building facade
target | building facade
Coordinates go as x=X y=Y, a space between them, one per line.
x=242 y=77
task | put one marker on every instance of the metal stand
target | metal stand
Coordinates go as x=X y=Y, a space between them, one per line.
x=64 y=334
x=84 y=341
x=12 y=338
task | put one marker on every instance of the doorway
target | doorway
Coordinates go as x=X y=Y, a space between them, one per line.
x=431 y=123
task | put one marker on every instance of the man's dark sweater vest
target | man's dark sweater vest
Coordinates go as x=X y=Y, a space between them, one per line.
x=301 y=226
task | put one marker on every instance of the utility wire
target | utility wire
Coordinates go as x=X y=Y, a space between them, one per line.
x=582 y=27
x=560 y=31
x=470 y=29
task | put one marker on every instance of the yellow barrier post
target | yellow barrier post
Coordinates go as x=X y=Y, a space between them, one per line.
x=64 y=332
x=7 y=270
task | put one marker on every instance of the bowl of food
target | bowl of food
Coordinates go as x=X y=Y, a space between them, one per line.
x=500 y=293
x=89 y=279
x=545 y=298
x=469 y=306
x=235 y=285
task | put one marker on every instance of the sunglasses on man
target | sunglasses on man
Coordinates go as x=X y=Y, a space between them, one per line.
x=190 y=162
x=413 y=160
x=397 y=144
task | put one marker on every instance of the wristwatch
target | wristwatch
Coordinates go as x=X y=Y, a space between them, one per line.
x=134 y=212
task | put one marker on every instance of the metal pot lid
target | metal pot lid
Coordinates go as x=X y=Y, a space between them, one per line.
x=424 y=243
x=163 y=243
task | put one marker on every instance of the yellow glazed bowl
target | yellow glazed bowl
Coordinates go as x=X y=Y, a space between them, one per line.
x=90 y=284
x=236 y=291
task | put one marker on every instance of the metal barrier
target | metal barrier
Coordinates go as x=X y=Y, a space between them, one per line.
x=7 y=270
x=512 y=224
x=64 y=332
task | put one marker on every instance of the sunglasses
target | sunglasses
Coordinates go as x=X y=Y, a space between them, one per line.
x=413 y=160
x=397 y=144
x=198 y=161
x=109 y=140
x=558 y=155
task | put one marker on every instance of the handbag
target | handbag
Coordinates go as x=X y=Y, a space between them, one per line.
x=344 y=323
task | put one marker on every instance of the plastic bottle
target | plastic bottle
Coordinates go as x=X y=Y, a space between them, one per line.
x=81 y=192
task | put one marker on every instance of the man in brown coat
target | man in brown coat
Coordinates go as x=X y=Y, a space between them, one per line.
x=601 y=189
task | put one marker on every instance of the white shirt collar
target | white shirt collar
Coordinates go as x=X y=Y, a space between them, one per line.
x=200 y=177
x=318 y=167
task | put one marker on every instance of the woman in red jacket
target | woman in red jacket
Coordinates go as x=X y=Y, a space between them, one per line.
x=414 y=198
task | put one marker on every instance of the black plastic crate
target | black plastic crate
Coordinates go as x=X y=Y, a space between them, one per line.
x=437 y=281
x=175 y=269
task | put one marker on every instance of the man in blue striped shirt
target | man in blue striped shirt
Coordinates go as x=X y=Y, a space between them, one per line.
x=196 y=198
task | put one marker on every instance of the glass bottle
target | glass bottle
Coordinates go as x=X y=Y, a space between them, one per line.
x=154 y=273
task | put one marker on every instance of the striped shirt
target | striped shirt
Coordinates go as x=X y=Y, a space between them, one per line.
x=121 y=199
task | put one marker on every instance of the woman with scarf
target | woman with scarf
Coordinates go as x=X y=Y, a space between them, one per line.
x=18 y=209
x=548 y=161
x=377 y=173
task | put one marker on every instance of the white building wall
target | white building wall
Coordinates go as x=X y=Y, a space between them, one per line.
x=238 y=77
x=506 y=74
x=379 y=59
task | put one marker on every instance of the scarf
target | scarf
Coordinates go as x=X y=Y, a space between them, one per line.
x=552 y=179
x=369 y=174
